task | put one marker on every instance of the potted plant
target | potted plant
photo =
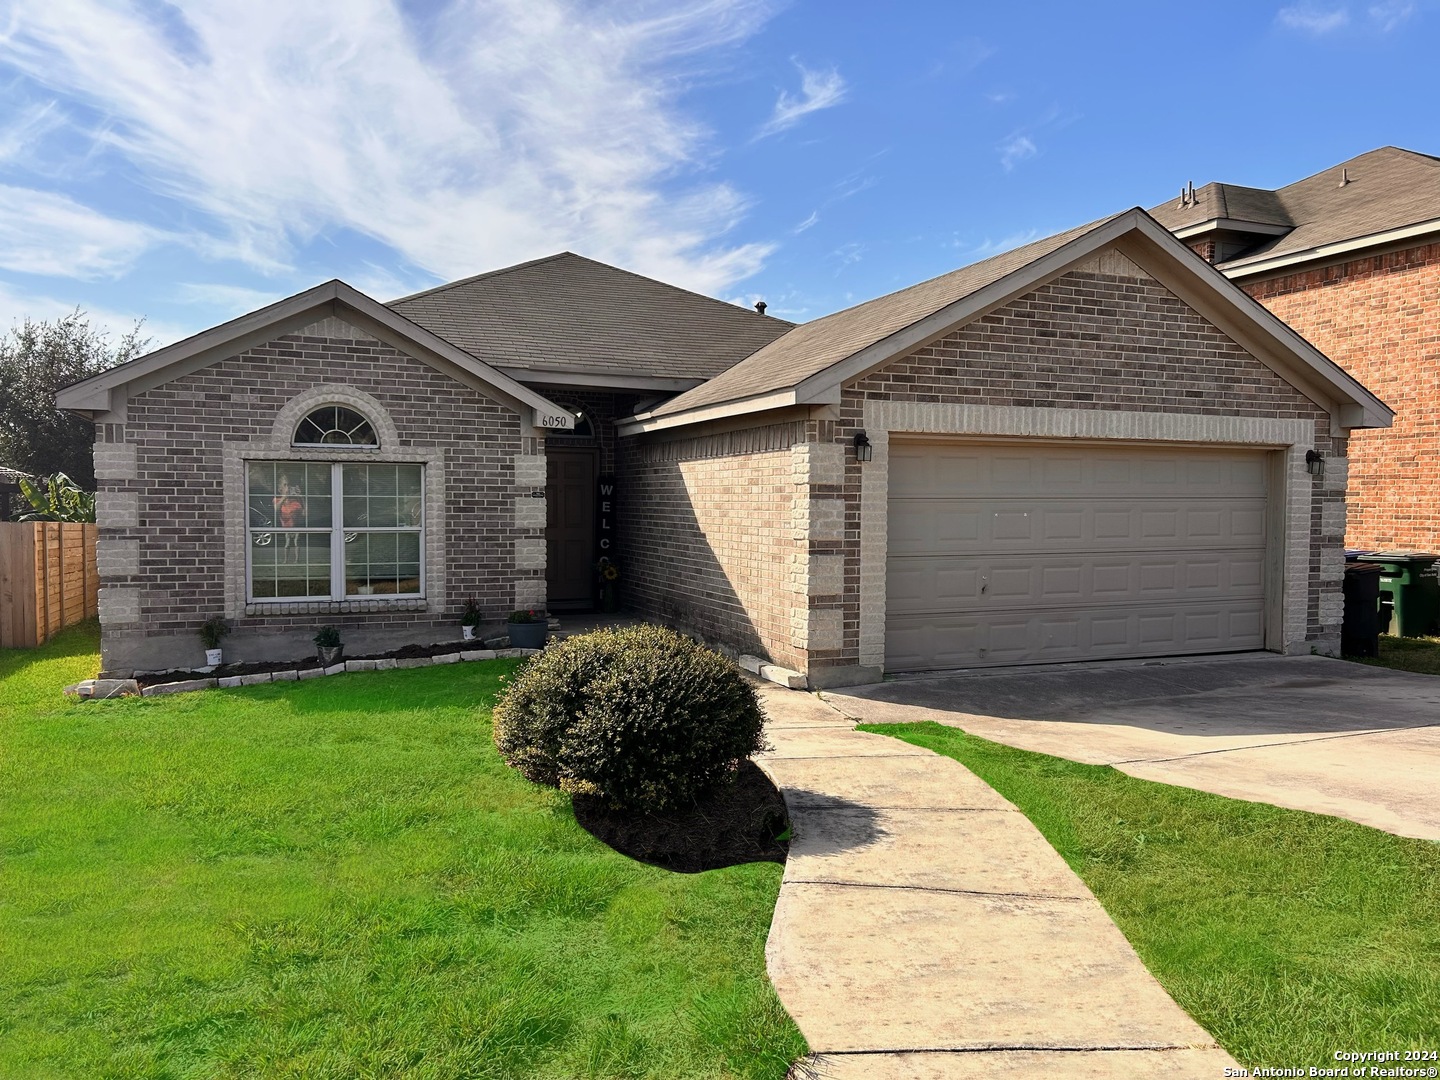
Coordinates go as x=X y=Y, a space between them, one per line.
x=527 y=629
x=328 y=646
x=470 y=619
x=608 y=571
x=212 y=630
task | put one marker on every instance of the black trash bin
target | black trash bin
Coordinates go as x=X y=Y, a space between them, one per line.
x=1360 y=632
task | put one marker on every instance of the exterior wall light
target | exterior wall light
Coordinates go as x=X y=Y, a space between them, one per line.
x=1314 y=463
x=863 y=449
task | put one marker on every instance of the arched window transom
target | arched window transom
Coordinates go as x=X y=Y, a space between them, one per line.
x=583 y=428
x=335 y=425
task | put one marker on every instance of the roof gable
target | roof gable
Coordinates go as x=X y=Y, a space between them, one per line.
x=333 y=300
x=811 y=363
x=1369 y=195
x=567 y=313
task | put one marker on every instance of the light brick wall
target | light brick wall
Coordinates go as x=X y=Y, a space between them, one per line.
x=1379 y=319
x=714 y=538
x=165 y=507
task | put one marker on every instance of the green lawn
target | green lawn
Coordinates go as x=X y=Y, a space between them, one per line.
x=340 y=878
x=1287 y=935
x=1406 y=654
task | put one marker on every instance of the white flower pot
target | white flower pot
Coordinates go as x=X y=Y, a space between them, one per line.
x=469 y=632
x=212 y=657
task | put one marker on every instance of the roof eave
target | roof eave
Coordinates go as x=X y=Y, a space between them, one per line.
x=1260 y=264
x=644 y=423
x=1222 y=224
x=96 y=394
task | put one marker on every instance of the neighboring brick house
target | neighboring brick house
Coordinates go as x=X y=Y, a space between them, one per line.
x=1091 y=447
x=1350 y=258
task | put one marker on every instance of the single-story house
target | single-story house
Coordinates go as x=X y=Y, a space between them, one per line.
x=1094 y=446
x=1350 y=258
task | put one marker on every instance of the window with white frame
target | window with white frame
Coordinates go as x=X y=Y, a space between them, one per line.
x=322 y=530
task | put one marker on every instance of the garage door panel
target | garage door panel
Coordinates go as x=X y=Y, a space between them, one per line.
x=1034 y=554
x=940 y=525
x=965 y=583
x=925 y=470
x=924 y=643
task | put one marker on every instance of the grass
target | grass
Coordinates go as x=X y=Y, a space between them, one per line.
x=340 y=878
x=1287 y=935
x=1420 y=655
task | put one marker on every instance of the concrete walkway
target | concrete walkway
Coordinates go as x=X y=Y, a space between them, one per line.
x=925 y=930
x=1304 y=732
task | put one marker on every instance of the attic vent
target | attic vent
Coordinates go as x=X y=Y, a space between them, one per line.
x=760 y=306
x=1187 y=195
x=1344 y=177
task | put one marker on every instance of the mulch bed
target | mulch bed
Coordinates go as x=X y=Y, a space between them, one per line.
x=737 y=823
x=225 y=671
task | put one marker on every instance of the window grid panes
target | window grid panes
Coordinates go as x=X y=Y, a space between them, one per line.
x=327 y=531
x=334 y=425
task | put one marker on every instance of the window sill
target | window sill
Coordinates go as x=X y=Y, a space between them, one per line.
x=357 y=606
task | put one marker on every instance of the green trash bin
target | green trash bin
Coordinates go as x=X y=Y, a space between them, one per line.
x=1410 y=581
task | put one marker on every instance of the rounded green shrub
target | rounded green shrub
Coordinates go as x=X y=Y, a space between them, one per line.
x=641 y=717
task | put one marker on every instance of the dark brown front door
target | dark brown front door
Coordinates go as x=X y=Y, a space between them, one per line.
x=570 y=528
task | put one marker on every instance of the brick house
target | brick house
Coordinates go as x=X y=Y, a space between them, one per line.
x=1094 y=446
x=1350 y=258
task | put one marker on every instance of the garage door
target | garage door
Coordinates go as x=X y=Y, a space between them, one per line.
x=1033 y=553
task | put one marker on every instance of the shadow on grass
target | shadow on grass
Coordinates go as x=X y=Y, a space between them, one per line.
x=740 y=822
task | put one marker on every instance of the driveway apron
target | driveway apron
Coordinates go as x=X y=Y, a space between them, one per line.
x=1304 y=732
x=925 y=929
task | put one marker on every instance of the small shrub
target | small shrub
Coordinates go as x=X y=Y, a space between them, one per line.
x=471 y=614
x=327 y=637
x=213 y=631
x=641 y=717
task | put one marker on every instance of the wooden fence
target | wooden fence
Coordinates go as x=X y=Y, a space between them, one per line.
x=48 y=580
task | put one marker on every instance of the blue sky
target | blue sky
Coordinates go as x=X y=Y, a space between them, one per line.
x=188 y=163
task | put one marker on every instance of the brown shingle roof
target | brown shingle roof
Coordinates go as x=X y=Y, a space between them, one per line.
x=1227 y=201
x=569 y=313
x=1388 y=188
x=814 y=346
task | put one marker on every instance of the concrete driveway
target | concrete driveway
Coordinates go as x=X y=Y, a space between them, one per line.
x=1309 y=733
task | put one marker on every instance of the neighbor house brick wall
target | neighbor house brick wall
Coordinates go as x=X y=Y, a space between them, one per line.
x=1379 y=318
x=165 y=505
x=1104 y=337
x=713 y=533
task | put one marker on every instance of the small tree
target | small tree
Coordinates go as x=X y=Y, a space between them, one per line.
x=57 y=498
x=37 y=359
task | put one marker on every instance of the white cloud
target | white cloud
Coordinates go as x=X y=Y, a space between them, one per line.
x=818 y=90
x=1313 y=19
x=807 y=223
x=227 y=300
x=497 y=131
x=44 y=233
x=1390 y=13
x=19 y=304
x=1016 y=149
x=987 y=247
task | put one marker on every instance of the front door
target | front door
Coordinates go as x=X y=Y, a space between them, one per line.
x=570 y=528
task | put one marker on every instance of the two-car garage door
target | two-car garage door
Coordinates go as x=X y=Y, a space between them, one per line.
x=1027 y=553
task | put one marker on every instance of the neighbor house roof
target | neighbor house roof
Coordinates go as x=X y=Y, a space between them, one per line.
x=1373 y=198
x=569 y=314
x=810 y=363
x=97 y=394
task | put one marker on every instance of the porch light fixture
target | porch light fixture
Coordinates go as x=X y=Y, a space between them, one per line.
x=863 y=449
x=1314 y=463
